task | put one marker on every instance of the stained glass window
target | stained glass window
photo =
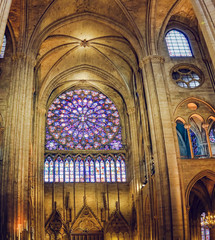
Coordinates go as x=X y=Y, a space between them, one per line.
x=113 y=173
x=83 y=119
x=92 y=173
x=205 y=231
x=212 y=134
x=85 y=168
x=71 y=171
x=67 y=171
x=177 y=44
x=3 y=47
x=102 y=165
x=195 y=144
x=46 y=171
x=51 y=171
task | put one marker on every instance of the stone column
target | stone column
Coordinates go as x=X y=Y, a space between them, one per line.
x=205 y=13
x=205 y=126
x=166 y=165
x=4 y=12
x=17 y=148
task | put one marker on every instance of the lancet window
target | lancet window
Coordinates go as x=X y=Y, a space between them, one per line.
x=3 y=47
x=80 y=123
x=178 y=44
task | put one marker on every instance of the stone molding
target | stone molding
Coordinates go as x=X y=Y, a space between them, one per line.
x=153 y=59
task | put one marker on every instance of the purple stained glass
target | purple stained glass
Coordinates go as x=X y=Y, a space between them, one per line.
x=83 y=119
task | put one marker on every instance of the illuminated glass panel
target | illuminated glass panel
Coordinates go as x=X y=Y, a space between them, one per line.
x=195 y=144
x=67 y=171
x=108 y=179
x=51 y=171
x=81 y=171
x=118 y=171
x=123 y=171
x=57 y=169
x=77 y=173
x=3 y=47
x=83 y=119
x=98 y=169
x=92 y=171
x=212 y=134
x=87 y=170
x=102 y=166
x=177 y=44
x=205 y=231
x=113 y=172
x=71 y=170
x=61 y=171
x=46 y=171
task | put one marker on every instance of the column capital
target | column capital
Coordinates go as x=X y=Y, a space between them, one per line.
x=187 y=126
x=205 y=125
x=23 y=56
x=151 y=58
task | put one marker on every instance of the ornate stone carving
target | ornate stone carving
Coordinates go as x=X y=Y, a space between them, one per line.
x=82 y=5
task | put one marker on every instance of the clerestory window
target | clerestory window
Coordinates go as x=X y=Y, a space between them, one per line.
x=83 y=139
x=3 y=47
x=178 y=44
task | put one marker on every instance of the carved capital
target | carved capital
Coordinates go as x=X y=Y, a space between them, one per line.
x=153 y=59
x=187 y=126
x=205 y=125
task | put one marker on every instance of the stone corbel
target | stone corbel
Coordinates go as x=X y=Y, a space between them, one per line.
x=151 y=59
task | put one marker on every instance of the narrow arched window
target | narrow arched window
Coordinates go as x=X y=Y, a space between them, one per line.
x=3 y=47
x=66 y=170
x=72 y=173
x=178 y=44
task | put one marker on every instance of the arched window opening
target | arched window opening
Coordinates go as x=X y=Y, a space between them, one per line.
x=183 y=140
x=178 y=44
x=3 y=47
x=198 y=137
x=205 y=231
x=84 y=121
x=212 y=138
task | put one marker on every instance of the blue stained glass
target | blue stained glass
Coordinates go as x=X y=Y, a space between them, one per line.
x=177 y=44
x=83 y=119
x=102 y=166
x=212 y=134
x=61 y=172
x=118 y=170
x=57 y=169
x=195 y=144
x=71 y=171
x=51 y=171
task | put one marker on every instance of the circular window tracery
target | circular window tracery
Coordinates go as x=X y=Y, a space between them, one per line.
x=83 y=119
x=187 y=77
